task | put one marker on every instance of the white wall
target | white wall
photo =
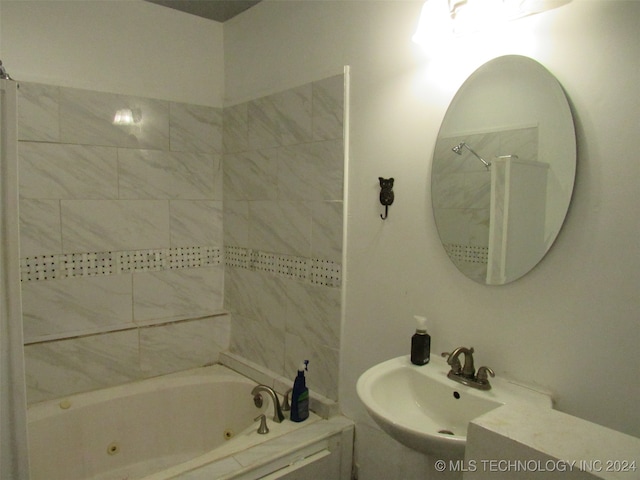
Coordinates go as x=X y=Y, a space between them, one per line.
x=121 y=46
x=571 y=324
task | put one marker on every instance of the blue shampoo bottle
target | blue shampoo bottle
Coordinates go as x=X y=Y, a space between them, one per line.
x=300 y=395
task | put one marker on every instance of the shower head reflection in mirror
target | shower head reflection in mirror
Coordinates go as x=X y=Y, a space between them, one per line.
x=458 y=149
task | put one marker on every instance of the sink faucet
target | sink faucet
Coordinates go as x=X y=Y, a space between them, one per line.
x=468 y=370
x=466 y=374
x=278 y=416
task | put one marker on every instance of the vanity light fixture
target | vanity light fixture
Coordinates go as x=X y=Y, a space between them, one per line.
x=459 y=17
x=435 y=24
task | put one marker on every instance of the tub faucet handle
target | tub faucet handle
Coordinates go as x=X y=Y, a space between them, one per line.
x=263 y=429
x=286 y=406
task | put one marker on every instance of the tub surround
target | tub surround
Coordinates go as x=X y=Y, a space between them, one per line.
x=122 y=260
x=101 y=304
x=312 y=271
x=89 y=362
x=283 y=214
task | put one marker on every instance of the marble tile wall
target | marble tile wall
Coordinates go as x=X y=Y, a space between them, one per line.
x=462 y=193
x=121 y=238
x=283 y=211
x=121 y=235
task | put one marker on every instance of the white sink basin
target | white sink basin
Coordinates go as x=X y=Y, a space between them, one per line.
x=423 y=409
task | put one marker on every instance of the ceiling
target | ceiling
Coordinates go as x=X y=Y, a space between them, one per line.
x=218 y=10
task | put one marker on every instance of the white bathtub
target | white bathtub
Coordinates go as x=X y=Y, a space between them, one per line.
x=153 y=429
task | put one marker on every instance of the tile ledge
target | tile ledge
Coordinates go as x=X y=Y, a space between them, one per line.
x=117 y=328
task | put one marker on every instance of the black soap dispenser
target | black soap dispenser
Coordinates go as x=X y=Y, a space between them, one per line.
x=420 y=343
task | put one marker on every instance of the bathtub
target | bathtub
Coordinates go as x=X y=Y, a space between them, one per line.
x=162 y=428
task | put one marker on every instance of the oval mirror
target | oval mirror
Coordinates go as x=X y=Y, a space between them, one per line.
x=503 y=169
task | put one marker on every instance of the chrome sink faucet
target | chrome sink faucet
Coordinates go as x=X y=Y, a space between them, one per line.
x=278 y=416
x=466 y=373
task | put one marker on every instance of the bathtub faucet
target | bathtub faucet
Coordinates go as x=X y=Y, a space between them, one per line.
x=278 y=416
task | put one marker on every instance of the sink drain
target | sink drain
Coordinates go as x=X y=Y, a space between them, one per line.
x=446 y=432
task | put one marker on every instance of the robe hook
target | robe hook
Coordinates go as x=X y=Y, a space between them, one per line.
x=386 y=195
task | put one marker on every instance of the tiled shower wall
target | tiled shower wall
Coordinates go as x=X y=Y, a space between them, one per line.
x=283 y=211
x=121 y=235
x=121 y=238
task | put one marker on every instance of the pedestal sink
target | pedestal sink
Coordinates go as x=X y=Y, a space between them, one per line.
x=423 y=409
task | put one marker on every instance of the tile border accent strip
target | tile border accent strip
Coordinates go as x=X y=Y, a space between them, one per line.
x=69 y=265
x=309 y=270
x=468 y=253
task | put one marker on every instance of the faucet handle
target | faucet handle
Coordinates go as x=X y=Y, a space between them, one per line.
x=285 y=403
x=483 y=374
x=263 y=428
x=456 y=366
